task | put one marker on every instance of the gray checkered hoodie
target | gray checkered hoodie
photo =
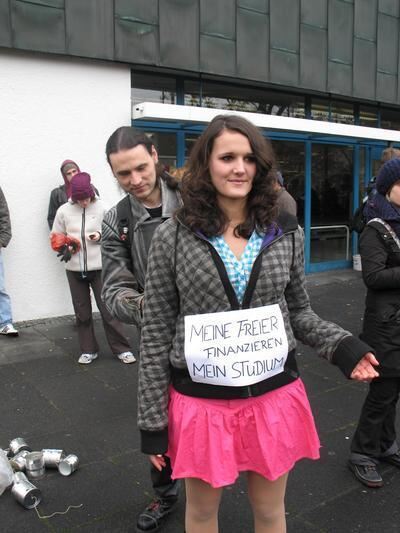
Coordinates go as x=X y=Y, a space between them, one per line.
x=182 y=279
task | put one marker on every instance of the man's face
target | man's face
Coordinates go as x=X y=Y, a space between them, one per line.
x=70 y=173
x=135 y=171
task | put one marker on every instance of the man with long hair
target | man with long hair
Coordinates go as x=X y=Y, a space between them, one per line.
x=128 y=228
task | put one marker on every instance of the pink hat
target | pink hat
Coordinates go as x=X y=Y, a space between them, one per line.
x=81 y=188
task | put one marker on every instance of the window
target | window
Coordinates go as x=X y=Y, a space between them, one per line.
x=368 y=116
x=331 y=202
x=290 y=159
x=242 y=98
x=390 y=119
x=165 y=144
x=153 y=88
x=320 y=109
x=342 y=112
x=332 y=111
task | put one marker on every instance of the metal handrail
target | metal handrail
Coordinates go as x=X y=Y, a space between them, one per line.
x=339 y=226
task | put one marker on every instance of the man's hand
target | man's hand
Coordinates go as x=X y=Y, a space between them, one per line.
x=364 y=370
x=157 y=461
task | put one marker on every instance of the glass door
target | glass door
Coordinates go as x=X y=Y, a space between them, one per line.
x=331 y=203
x=290 y=159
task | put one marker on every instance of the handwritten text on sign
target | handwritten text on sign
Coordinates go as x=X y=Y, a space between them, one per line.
x=236 y=348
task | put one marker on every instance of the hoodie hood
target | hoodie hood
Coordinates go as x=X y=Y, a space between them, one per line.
x=66 y=165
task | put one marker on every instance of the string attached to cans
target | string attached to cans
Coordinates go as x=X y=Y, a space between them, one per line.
x=43 y=517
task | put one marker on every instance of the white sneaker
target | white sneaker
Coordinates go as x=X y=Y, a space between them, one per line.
x=87 y=358
x=9 y=330
x=127 y=357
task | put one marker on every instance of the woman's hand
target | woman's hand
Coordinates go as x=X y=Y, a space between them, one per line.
x=157 y=461
x=364 y=369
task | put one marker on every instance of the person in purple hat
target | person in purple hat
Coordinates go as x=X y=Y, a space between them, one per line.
x=374 y=440
x=60 y=194
x=76 y=235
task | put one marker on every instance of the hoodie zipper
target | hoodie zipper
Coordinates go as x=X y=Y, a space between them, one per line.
x=253 y=272
x=84 y=241
x=252 y=278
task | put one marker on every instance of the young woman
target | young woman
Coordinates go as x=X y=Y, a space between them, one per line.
x=76 y=237
x=375 y=437
x=219 y=389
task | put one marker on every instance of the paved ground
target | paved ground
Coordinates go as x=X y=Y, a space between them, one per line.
x=53 y=402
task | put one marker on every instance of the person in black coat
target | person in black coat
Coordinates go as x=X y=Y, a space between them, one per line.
x=375 y=436
x=60 y=194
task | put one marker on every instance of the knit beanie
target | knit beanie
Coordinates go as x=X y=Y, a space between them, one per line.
x=81 y=188
x=388 y=175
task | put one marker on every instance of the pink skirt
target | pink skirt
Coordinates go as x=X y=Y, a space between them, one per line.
x=214 y=440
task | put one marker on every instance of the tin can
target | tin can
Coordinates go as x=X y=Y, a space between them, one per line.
x=18 y=462
x=34 y=465
x=68 y=465
x=17 y=445
x=52 y=457
x=25 y=492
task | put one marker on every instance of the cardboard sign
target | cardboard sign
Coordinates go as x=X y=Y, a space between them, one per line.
x=236 y=348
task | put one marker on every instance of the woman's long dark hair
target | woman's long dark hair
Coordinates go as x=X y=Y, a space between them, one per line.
x=200 y=209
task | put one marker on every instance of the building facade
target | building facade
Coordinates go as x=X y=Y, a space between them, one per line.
x=71 y=71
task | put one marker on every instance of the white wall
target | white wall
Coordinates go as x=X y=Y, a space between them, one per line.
x=51 y=109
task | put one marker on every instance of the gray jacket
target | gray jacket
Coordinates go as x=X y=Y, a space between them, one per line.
x=124 y=269
x=5 y=223
x=186 y=281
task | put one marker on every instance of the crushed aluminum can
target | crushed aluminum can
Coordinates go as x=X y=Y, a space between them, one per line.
x=68 y=465
x=34 y=465
x=17 y=445
x=25 y=492
x=52 y=457
x=18 y=462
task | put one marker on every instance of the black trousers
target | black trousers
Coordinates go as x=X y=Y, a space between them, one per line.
x=375 y=435
x=80 y=293
x=164 y=487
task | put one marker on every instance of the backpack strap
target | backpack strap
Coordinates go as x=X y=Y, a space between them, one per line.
x=389 y=230
x=124 y=221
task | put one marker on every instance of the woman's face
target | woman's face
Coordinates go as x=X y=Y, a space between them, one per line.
x=84 y=203
x=232 y=165
x=394 y=194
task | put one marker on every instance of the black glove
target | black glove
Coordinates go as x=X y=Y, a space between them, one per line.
x=64 y=253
